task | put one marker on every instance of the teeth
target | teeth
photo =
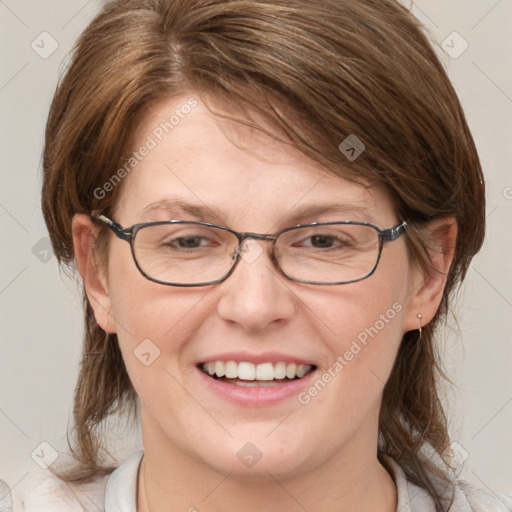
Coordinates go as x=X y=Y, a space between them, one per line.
x=291 y=370
x=246 y=371
x=280 y=371
x=256 y=383
x=256 y=372
x=220 y=369
x=231 y=370
x=265 y=371
x=302 y=369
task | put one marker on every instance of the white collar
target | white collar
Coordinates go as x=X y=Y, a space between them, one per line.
x=410 y=497
x=121 y=489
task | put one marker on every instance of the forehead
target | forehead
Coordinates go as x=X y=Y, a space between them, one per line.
x=225 y=172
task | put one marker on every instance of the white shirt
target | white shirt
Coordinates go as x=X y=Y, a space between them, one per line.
x=118 y=493
x=121 y=489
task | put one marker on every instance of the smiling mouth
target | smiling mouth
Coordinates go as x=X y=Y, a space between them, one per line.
x=253 y=375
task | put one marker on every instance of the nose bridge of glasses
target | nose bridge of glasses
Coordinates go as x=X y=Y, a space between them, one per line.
x=256 y=236
x=251 y=252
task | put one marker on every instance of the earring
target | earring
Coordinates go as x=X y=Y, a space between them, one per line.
x=420 y=316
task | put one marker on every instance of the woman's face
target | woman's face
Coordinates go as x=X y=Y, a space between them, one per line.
x=350 y=333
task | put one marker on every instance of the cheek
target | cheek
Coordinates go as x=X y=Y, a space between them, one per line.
x=363 y=326
x=149 y=315
x=364 y=311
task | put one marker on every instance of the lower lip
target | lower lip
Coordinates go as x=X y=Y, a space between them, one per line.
x=258 y=395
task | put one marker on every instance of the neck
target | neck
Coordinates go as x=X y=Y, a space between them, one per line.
x=352 y=479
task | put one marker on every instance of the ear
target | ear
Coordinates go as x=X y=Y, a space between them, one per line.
x=428 y=287
x=93 y=275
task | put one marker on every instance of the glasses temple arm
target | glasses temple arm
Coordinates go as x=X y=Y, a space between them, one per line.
x=116 y=228
x=391 y=234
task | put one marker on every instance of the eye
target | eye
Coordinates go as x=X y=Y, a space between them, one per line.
x=329 y=239
x=325 y=241
x=188 y=242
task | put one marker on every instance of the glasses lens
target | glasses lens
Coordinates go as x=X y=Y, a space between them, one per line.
x=184 y=253
x=333 y=253
x=188 y=253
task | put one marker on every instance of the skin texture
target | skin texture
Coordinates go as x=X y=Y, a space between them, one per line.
x=320 y=456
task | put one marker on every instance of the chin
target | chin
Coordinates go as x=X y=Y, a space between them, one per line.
x=256 y=458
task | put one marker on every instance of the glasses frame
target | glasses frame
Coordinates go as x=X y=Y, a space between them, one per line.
x=128 y=234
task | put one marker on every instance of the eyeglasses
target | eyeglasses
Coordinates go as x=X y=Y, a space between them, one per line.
x=183 y=253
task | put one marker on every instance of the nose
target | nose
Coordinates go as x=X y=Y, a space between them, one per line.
x=256 y=295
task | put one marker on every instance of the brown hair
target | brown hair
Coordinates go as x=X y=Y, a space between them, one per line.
x=318 y=71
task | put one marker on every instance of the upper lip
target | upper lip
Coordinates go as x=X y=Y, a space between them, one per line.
x=264 y=357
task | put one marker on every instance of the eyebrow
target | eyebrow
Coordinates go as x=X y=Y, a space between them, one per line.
x=177 y=207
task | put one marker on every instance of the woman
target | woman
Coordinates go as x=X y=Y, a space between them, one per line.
x=269 y=204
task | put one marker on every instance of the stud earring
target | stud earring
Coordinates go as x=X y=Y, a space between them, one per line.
x=420 y=316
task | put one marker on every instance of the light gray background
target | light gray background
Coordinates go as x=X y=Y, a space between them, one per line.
x=41 y=321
